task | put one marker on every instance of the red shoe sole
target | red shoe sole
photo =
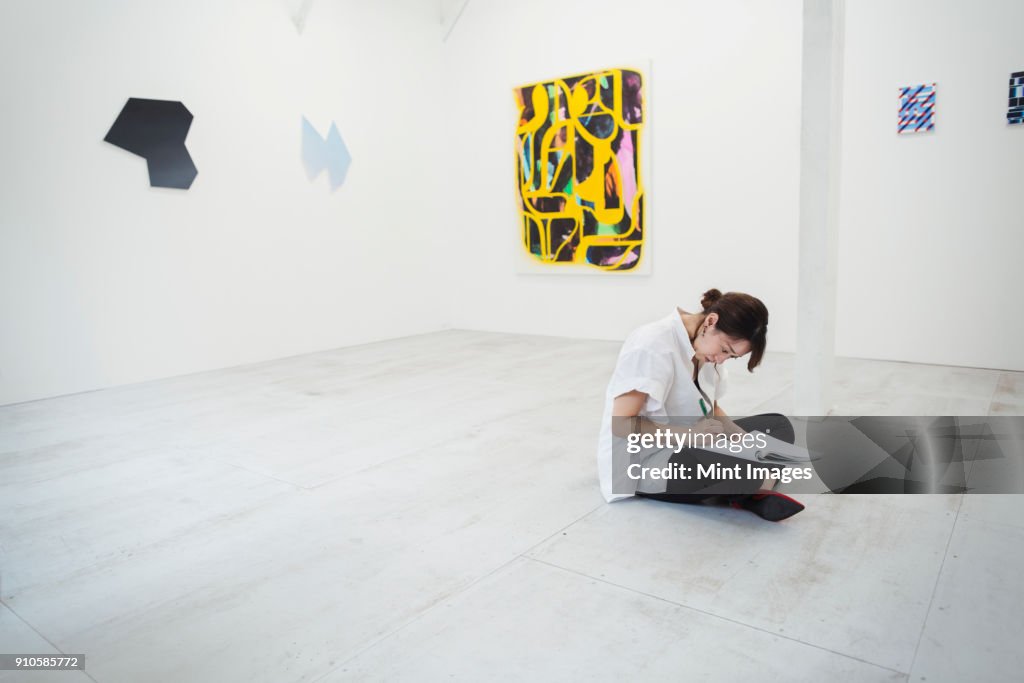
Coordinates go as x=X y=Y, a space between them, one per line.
x=772 y=506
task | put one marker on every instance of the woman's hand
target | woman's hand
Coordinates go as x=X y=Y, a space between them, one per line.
x=728 y=425
x=708 y=425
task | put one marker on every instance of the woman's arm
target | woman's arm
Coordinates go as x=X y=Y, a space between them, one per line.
x=626 y=418
x=624 y=408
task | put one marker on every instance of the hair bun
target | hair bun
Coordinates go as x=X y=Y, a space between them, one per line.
x=710 y=297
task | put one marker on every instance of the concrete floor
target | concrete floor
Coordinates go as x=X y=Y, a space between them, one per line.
x=427 y=509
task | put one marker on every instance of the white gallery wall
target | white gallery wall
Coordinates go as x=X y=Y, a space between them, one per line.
x=723 y=106
x=931 y=230
x=105 y=280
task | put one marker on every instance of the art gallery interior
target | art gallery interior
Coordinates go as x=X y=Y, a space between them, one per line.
x=319 y=415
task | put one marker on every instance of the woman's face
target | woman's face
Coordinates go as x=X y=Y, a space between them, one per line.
x=711 y=346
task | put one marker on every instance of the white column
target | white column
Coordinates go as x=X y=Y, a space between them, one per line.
x=820 y=151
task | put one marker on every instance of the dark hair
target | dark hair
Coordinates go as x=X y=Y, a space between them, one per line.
x=740 y=316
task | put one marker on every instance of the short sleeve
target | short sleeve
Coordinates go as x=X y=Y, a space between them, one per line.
x=643 y=370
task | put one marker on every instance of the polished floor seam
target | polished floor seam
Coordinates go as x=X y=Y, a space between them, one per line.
x=935 y=587
x=292 y=484
x=717 y=616
x=36 y=631
x=449 y=596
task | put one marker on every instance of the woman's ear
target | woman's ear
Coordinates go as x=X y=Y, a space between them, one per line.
x=711 y=319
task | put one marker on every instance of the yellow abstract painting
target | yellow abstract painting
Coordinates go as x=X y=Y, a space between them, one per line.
x=581 y=194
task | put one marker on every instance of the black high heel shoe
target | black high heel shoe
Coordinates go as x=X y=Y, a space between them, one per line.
x=769 y=505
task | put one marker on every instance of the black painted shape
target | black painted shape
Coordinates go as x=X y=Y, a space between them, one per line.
x=156 y=131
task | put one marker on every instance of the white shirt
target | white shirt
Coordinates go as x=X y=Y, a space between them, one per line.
x=656 y=359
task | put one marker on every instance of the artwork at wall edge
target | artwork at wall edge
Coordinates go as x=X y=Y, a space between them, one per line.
x=1015 y=107
x=579 y=171
x=917 y=109
x=156 y=130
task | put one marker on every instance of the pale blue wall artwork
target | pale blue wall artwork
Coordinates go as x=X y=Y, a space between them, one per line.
x=320 y=154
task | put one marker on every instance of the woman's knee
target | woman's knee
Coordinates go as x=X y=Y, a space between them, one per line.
x=773 y=424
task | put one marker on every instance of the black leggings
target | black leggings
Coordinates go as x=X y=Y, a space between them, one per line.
x=682 y=490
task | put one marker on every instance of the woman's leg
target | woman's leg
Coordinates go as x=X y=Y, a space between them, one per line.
x=693 y=491
x=773 y=424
